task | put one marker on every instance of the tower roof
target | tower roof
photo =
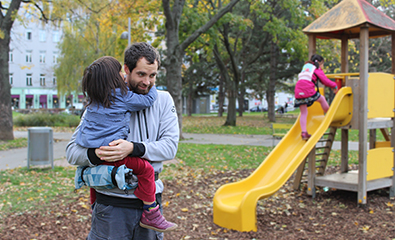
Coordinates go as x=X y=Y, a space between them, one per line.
x=347 y=17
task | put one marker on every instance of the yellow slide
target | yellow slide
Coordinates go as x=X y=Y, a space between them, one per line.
x=235 y=203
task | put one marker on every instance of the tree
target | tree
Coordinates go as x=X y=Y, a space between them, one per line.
x=176 y=50
x=94 y=31
x=8 y=14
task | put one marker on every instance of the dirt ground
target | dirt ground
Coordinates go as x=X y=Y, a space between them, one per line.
x=288 y=214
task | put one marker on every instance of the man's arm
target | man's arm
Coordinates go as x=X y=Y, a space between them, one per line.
x=166 y=145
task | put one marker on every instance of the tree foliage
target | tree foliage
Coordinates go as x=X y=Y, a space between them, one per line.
x=93 y=30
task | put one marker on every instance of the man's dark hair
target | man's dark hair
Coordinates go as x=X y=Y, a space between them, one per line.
x=139 y=50
x=100 y=80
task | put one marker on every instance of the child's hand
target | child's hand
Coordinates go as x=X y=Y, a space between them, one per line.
x=336 y=89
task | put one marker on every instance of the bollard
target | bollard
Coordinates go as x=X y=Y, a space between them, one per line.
x=40 y=146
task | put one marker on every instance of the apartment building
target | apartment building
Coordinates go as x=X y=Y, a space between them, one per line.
x=32 y=58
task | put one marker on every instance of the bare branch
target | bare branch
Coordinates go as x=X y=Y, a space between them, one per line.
x=208 y=25
x=44 y=17
x=90 y=9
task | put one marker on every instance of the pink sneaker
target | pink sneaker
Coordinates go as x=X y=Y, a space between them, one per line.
x=305 y=136
x=154 y=220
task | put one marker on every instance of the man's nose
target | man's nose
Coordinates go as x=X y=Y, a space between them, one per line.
x=146 y=80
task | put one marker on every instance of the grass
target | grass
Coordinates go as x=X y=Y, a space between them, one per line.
x=16 y=143
x=22 y=189
x=40 y=187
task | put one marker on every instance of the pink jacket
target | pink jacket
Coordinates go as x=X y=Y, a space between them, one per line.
x=306 y=88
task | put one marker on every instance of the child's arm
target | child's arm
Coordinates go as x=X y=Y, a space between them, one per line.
x=136 y=102
x=324 y=79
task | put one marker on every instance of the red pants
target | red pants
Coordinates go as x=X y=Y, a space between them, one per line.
x=144 y=171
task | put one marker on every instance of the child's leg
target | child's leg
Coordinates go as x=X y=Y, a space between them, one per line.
x=323 y=103
x=303 y=117
x=151 y=218
x=145 y=190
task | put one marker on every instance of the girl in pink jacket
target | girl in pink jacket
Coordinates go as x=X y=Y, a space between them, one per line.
x=305 y=89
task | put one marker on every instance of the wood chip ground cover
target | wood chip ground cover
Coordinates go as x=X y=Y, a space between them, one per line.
x=288 y=214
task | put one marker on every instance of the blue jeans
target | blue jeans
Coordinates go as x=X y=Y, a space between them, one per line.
x=117 y=223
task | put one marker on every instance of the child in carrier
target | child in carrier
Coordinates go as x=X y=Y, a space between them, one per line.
x=305 y=89
x=107 y=118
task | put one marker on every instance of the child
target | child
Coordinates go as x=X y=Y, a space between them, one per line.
x=107 y=118
x=305 y=92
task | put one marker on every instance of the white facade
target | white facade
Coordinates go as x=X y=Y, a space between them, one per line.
x=32 y=58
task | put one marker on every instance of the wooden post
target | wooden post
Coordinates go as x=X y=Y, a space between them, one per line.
x=363 y=114
x=344 y=151
x=312 y=45
x=344 y=132
x=311 y=174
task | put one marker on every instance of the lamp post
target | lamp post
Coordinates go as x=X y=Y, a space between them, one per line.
x=126 y=35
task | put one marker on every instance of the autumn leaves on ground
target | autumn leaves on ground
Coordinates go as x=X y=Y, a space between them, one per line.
x=187 y=200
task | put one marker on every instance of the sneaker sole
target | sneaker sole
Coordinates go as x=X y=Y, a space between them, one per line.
x=158 y=229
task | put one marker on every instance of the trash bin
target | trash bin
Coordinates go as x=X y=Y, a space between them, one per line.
x=40 y=146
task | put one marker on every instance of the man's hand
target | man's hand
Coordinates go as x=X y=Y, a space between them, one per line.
x=117 y=150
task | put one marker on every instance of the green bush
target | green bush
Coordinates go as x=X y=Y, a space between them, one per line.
x=46 y=119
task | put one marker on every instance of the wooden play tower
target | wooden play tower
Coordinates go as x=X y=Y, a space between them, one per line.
x=373 y=108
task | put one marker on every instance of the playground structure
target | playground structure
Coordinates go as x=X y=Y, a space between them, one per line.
x=366 y=102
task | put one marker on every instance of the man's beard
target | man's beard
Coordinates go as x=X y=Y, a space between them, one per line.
x=135 y=89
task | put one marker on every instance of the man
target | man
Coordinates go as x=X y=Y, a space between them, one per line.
x=154 y=136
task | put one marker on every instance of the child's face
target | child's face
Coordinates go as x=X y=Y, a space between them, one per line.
x=321 y=64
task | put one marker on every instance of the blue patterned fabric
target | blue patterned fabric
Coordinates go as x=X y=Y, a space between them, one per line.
x=99 y=177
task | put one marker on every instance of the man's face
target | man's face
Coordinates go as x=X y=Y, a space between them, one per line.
x=143 y=76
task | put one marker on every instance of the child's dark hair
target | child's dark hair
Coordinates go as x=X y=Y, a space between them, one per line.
x=139 y=50
x=315 y=59
x=100 y=80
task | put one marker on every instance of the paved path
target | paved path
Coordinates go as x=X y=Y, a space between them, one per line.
x=18 y=157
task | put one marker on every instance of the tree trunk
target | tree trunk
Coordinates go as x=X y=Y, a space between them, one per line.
x=232 y=96
x=190 y=99
x=272 y=83
x=241 y=95
x=174 y=83
x=6 y=126
x=221 y=96
x=175 y=49
x=6 y=22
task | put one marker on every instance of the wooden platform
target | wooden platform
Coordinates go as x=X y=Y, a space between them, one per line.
x=349 y=181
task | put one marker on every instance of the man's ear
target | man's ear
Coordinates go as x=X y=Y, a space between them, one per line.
x=126 y=69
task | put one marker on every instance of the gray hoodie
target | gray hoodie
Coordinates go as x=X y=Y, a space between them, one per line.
x=156 y=127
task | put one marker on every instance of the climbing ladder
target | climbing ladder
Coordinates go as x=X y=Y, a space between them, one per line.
x=322 y=151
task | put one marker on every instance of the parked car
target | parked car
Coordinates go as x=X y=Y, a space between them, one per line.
x=258 y=109
x=216 y=107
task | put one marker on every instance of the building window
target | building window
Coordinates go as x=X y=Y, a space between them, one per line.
x=29 y=56
x=29 y=79
x=55 y=36
x=55 y=58
x=11 y=57
x=28 y=34
x=42 y=57
x=42 y=36
x=54 y=81
x=11 y=78
x=42 y=79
